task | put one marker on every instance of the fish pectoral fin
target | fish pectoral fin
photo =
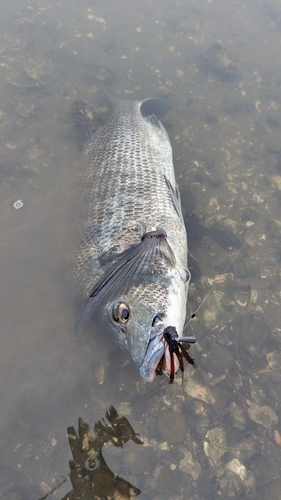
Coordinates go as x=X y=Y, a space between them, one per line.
x=145 y=258
x=175 y=196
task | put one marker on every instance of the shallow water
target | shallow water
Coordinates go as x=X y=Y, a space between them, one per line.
x=225 y=131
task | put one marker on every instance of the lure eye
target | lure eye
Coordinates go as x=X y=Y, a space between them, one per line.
x=121 y=312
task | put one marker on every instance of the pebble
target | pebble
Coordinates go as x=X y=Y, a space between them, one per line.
x=264 y=415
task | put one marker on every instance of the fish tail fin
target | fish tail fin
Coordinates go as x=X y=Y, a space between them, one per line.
x=148 y=107
x=154 y=106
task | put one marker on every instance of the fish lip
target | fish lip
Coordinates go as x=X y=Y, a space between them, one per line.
x=147 y=369
x=154 y=352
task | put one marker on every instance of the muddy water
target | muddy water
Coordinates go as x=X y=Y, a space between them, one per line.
x=218 y=64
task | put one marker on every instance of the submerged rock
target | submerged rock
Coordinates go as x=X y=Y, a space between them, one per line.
x=188 y=464
x=264 y=415
x=237 y=480
x=238 y=416
x=217 y=62
x=215 y=447
x=274 y=360
x=198 y=391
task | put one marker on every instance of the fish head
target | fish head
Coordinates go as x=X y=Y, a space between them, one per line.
x=143 y=287
x=136 y=321
x=128 y=321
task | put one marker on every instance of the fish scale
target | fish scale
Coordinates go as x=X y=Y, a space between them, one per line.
x=124 y=190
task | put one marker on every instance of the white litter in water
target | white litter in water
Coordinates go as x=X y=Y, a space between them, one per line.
x=18 y=204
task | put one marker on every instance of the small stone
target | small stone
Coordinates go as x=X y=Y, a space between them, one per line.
x=264 y=415
x=98 y=19
x=198 y=391
x=209 y=312
x=236 y=467
x=163 y=446
x=188 y=464
x=238 y=416
x=215 y=446
x=246 y=449
x=274 y=360
x=237 y=481
x=277 y=437
x=276 y=179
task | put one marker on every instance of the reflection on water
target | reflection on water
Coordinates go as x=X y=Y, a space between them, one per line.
x=90 y=475
x=218 y=64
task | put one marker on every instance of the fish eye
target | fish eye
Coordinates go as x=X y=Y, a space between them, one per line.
x=121 y=312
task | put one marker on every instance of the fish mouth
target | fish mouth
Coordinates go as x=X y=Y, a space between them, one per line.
x=147 y=369
x=153 y=356
x=156 y=354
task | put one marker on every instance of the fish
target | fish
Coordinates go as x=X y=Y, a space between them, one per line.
x=129 y=268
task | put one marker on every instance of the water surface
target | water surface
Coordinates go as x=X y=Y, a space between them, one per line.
x=218 y=64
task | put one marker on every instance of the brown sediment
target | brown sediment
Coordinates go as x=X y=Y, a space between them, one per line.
x=240 y=396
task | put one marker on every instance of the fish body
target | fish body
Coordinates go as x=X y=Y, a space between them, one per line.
x=130 y=269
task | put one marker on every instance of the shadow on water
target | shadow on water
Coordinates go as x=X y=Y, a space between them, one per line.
x=90 y=475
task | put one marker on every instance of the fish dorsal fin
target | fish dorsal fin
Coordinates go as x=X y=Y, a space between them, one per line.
x=145 y=258
x=175 y=196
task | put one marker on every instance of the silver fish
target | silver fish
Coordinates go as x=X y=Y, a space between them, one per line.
x=129 y=269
